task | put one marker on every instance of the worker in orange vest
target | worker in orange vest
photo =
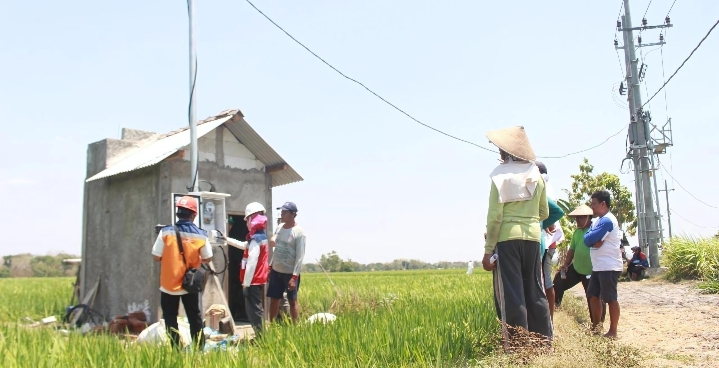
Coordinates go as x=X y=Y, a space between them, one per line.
x=196 y=249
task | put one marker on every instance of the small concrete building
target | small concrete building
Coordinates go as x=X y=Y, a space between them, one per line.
x=128 y=191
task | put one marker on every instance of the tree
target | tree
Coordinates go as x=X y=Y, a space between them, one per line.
x=585 y=183
x=331 y=262
x=46 y=266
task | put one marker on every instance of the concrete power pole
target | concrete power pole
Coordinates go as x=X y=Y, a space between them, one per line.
x=669 y=211
x=643 y=146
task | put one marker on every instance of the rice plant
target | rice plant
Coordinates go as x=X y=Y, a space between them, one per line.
x=693 y=258
x=399 y=319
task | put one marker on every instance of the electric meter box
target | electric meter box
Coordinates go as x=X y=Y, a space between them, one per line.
x=212 y=213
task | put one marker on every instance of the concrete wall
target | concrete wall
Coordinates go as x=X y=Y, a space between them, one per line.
x=120 y=213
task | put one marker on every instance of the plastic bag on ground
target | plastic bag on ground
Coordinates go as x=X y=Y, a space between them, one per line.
x=322 y=317
x=157 y=333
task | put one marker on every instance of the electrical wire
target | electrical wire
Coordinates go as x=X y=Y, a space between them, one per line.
x=671 y=7
x=645 y=12
x=680 y=186
x=684 y=62
x=645 y=17
x=590 y=148
x=619 y=16
x=189 y=114
x=683 y=218
x=397 y=108
x=618 y=101
x=365 y=87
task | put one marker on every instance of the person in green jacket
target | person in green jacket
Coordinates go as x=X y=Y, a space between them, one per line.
x=517 y=204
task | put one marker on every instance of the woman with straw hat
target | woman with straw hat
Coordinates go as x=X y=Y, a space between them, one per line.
x=517 y=204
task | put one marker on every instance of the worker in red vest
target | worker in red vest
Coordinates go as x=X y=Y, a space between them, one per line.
x=255 y=266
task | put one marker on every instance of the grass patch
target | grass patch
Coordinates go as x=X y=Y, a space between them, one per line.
x=36 y=298
x=397 y=319
x=686 y=359
x=573 y=345
x=690 y=258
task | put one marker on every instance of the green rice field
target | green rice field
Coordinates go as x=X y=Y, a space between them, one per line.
x=398 y=319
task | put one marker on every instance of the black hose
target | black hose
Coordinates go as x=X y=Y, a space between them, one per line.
x=208 y=269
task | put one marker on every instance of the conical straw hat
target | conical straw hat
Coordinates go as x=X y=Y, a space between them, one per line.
x=514 y=141
x=582 y=210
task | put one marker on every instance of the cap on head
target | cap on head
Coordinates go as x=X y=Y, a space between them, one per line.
x=288 y=206
x=514 y=141
x=253 y=208
x=541 y=166
x=188 y=202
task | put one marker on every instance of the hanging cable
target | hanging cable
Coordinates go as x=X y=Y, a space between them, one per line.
x=365 y=87
x=680 y=186
x=402 y=111
x=590 y=148
x=191 y=187
x=671 y=7
x=644 y=18
x=684 y=62
x=683 y=218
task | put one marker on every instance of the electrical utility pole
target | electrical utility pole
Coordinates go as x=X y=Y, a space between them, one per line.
x=669 y=211
x=194 y=154
x=643 y=146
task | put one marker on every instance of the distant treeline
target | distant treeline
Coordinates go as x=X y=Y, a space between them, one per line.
x=331 y=262
x=28 y=265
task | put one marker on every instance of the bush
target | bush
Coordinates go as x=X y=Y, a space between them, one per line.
x=691 y=258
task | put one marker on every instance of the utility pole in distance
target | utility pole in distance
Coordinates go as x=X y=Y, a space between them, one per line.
x=669 y=210
x=643 y=147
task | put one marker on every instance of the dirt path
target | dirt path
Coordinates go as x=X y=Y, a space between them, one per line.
x=671 y=324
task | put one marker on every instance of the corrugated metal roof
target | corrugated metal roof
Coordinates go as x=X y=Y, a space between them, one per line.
x=170 y=143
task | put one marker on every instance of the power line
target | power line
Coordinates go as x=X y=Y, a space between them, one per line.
x=590 y=148
x=684 y=62
x=619 y=15
x=682 y=217
x=685 y=189
x=402 y=111
x=365 y=87
x=671 y=7
x=645 y=12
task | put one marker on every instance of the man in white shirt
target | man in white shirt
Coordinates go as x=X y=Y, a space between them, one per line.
x=604 y=241
x=287 y=257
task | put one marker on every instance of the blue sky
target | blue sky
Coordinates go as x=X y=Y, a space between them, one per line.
x=378 y=186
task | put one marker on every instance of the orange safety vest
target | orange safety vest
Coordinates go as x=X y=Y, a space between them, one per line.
x=172 y=268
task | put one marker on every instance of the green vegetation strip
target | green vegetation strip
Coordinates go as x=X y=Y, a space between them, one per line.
x=411 y=318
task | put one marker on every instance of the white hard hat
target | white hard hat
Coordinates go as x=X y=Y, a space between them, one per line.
x=253 y=208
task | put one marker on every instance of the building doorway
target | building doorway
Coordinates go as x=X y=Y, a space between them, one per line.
x=234 y=287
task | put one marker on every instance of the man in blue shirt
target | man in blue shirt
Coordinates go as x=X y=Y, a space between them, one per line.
x=604 y=241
